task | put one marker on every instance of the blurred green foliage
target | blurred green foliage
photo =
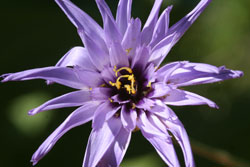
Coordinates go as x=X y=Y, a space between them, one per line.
x=37 y=33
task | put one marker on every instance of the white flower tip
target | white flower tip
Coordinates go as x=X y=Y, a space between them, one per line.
x=239 y=73
x=34 y=162
x=213 y=105
x=49 y=82
x=5 y=77
x=31 y=112
x=216 y=106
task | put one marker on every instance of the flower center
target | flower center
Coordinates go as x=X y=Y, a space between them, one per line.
x=126 y=81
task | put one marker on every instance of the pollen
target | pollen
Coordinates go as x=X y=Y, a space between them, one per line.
x=111 y=100
x=128 y=50
x=149 y=84
x=130 y=88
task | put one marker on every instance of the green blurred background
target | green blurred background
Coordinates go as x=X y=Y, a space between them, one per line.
x=37 y=33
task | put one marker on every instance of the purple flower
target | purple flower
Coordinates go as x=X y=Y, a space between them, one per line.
x=120 y=84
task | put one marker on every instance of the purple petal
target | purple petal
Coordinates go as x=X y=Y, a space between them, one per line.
x=72 y=77
x=101 y=93
x=117 y=150
x=175 y=32
x=103 y=113
x=161 y=141
x=78 y=117
x=164 y=72
x=118 y=56
x=148 y=28
x=160 y=109
x=145 y=104
x=161 y=27
x=132 y=37
x=123 y=15
x=182 y=26
x=149 y=74
x=112 y=33
x=98 y=56
x=71 y=99
x=108 y=74
x=182 y=98
x=160 y=50
x=159 y=90
x=77 y=56
x=141 y=58
x=83 y=21
x=178 y=130
x=100 y=141
x=198 y=73
x=128 y=118
x=148 y=128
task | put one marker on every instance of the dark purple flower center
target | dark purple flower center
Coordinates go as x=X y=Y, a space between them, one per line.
x=130 y=86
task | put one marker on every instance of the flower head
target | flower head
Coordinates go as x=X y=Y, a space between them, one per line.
x=120 y=84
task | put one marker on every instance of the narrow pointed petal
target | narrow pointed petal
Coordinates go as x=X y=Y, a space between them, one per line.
x=123 y=15
x=118 y=55
x=77 y=56
x=72 y=77
x=161 y=27
x=104 y=9
x=163 y=145
x=175 y=32
x=128 y=118
x=177 y=129
x=198 y=73
x=83 y=21
x=98 y=57
x=100 y=141
x=161 y=49
x=148 y=28
x=111 y=31
x=78 y=117
x=182 y=26
x=132 y=37
x=103 y=113
x=182 y=98
x=117 y=150
x=71 y=99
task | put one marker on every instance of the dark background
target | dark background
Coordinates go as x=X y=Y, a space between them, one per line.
x=36 y=33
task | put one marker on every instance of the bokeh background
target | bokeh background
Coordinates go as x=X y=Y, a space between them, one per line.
x=37 y=33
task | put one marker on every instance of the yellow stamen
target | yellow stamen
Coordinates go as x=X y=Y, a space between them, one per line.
x=111 y=100
x=149 y=85
x=129 y=88
x=123 y=68
x=103 y=85
x=114 y=68
x=133 y=106
x=90 y=89
x=157 y=68
x=136 y=129
x=128 y=50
